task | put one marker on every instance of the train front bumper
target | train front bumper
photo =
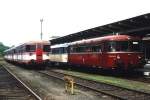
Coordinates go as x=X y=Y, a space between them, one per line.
x=129 y=66
x=37 y=62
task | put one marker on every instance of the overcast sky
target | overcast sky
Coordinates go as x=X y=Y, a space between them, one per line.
x=20 y=19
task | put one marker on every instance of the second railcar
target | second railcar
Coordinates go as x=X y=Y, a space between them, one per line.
x=59 y=54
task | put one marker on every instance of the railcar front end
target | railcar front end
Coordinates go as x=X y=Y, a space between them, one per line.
x=123 y=55
x=29 y=53
x=37 y=54
x=121 y=52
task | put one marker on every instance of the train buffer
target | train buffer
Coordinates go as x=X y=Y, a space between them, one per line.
x=69 y=84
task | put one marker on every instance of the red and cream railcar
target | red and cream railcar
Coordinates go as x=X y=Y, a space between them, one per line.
x=108 y=52
x=59 y=54
x=30 y=53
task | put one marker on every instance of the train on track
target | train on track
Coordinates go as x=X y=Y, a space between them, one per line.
x=121 y=52
x=29 y=53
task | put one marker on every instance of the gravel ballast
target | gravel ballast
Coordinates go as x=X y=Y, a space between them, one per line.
x=50 y=88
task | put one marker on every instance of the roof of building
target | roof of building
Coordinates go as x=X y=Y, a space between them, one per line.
x=139 y=25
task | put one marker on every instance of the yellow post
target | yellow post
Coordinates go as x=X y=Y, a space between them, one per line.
x=69 y=84
x=66 y=87
x=72 y=87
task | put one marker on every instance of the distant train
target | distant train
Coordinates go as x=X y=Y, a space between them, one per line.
x=121 y=52
x=30 y=53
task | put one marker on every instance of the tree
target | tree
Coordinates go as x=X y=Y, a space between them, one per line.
x=3 y=48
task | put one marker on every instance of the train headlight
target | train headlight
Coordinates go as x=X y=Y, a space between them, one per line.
x=119 y=63
x=142 y=60
x=118 y=57
x=139 y=57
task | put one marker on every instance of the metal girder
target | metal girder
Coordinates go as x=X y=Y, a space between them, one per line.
x=140 y=22
x=127 y=25
x=116 y=28
x=136 y=30
x=103 y=28
x=98 y=31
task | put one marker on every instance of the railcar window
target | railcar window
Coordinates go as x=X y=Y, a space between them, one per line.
x=30 y=48
x=110 y=46
x=14 y=51
x=71 y=49
x=46 y=48
x=114 y=46
x=122 y=46
x=54 y=50
x=135 y=46
x=65 y=50
x=81 y=49
x=60 y=50
x=88 y=49
x=96 y=48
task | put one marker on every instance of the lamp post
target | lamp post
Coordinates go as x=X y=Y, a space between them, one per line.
x=41 y=20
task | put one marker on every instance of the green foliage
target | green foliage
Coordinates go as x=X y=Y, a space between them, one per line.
x=2 y=48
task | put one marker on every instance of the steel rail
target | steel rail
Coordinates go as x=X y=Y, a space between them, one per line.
x=104 y=92
x=96 y=90
x=23 y=84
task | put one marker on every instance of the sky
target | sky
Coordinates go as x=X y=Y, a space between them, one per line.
x=20 y=19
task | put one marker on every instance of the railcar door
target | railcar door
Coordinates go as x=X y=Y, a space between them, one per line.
x=92 y=56
x=147 y=50
x=106 y=56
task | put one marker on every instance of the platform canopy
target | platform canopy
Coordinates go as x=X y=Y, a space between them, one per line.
x=136 y=26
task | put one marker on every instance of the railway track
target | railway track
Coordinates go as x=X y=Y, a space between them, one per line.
x=133 y=76
x=139 y=79
x=107 y=89
x=11 y=88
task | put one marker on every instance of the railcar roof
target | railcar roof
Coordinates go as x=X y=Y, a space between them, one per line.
x=107 y=38
x=10 y=49
x=60 y=45
x=40 y=41
x=136 y=26
x=27 y=43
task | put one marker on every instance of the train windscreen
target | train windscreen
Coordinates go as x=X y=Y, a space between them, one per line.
x=46 y=48
x=59 y=50
x=135 y=46
x=127 y=46
x=30 y=48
